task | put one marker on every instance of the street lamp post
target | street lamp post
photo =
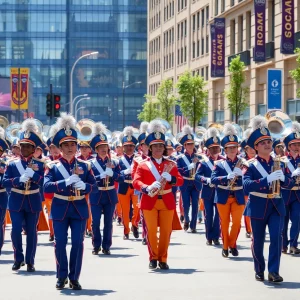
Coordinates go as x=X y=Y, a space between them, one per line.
x=71 y=76
x=76 y=111
x=123 y=94
x=86 y=98
x=83 y=95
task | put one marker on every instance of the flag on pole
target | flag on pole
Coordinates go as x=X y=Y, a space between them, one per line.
x=180 y=120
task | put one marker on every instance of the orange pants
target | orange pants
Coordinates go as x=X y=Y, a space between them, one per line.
x=48 y=202
x=236 y=211
x=7 y=218
x=119 y=210
x=247 y=220
x=42 y=223
x=124 y=201
x=89 y=220
x=158 y=246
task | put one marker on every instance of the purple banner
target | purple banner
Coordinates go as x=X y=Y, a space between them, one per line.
x=287 y=45
x=260 y=30
x=217 y=31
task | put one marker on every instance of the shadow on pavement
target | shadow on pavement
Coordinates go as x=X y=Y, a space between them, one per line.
x=6 y=262
x=7 y=252
x=86 y=292
x=176 y=244
x=113 y=255
x=49 y=244
x=36 y=273
x=176 y=271
x=283 y=285
x=240 y=258
x=120 y=248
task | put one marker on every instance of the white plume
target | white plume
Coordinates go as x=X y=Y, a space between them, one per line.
x=156 y=126
x=229 y=129
x=143 y=127
x=66 y=121
x=128 y=130
x=247 y=133
x=99 y=128
x=121 y=137
x=53 y=130
x=295 y=127
x=258 y=122
x=212 y=132
x=2 y=133
x=29 y=125
x=187 y=129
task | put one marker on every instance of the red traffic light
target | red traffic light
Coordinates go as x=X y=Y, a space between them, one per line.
x=57 y=106
x=56 y=98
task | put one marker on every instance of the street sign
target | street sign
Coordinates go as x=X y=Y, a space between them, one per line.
x=274 y=89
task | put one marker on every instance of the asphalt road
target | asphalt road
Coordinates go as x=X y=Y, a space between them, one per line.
x=196 y=271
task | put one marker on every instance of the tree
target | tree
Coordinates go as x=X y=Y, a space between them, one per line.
x=166 y=100
x=295 y=74
x=192 y=97
x=237 y=94
x=149 y=111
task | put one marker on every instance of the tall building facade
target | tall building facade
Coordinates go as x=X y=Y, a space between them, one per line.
x=48 y=36
x=179 y=39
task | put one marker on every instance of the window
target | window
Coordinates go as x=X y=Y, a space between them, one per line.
x=202 y=46
x=240 y=33
x=194 y=22
x=206 y=44
x=223 y=5
x=219 y=116
x=216 y=7
x=261 y=109
x=202 y=72
x=206 y=73
x=271 y=20
x=232 y=37
x=198 y=19
x=185 y=54
x=185 y=27
x=248 y=31
x=207 y=14
x=178 y=31
x=244 y=118
x=198 y=48
x=194 y=49
x=202 y=16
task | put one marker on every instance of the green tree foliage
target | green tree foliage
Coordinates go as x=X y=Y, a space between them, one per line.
x=295 y=74
x=192 y=97
x=237 y=94
x=149 y=111
x=166 y=100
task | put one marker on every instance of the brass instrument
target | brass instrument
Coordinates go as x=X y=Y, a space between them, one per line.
x=76 y=171
x=32 y=166
x=239 y=165
x=279 y=123
x=196 y=159
x=110 y=165
x=84 y=129
x=13 y=131
x=3 y=122
x=276 y=184
x=163 y=181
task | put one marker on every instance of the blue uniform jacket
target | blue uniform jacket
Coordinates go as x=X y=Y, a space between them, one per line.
x=185 y=172
x=219 y=178
x=255 y=182
x=55 y=183
x=11 y=180
x=3 y=195
x=290 y=195
x=95 y=198
x=203 y=172
x=123 y=186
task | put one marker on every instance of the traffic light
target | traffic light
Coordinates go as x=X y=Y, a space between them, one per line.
x=56 y=107
x=49 y=106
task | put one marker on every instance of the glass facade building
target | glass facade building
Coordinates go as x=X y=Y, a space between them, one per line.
x=48 y=36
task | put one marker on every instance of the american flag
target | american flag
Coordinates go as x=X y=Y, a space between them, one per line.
x=180 y=120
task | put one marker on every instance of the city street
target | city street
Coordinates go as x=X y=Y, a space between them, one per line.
x=196 y=271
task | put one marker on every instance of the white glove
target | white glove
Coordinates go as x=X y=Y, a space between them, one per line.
x=109 y=172
x=24 y=178
x=154 y=185
x=296 y=172
x=29 y=172
x=80 y=185
x=72 y=179
x=238 y=171
x=127 y=171
x=191 y=166
x=167 y=176
x=274 y=176
x=103 y=175
x=208 y=180
x=282 y=177
x=231 y=175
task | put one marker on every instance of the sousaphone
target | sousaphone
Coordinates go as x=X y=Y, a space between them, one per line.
x=85 y=129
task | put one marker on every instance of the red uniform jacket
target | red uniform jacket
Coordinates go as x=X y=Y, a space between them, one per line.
x=143 y=177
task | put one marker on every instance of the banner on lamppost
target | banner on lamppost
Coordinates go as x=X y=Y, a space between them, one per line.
x=218 y=48
x=287 y=45
x=19 y=87
x=260 y=30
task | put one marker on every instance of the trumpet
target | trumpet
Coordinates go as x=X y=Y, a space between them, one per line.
x=276 y=184
x=110 y=165
x=76 y=171
x=193 y=171
x=239 y=165
x=28 y=183
x=163 y=181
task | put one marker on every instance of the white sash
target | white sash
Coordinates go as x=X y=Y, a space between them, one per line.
x=97 y=166
x=62 y=170
x=260 y=169
x=226 y=167
x=153 y=169
x=290 y=166
x=125 y=162
x=20 y=167
x=187 y=162
x=210 y=165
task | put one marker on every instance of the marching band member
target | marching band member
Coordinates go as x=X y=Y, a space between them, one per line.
x=104 y=201
x=203 y=175
x=70 y=179
x=126 y=192
x=291 y=196
x=265 y=206
x=227 y=177
x=119 y=153
x=249 y=154
x=278 y=147
x=3 y=194
x=170 y=149
x=24 y=176
x=190 y=190
x=160 y=208
x=15 y=148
